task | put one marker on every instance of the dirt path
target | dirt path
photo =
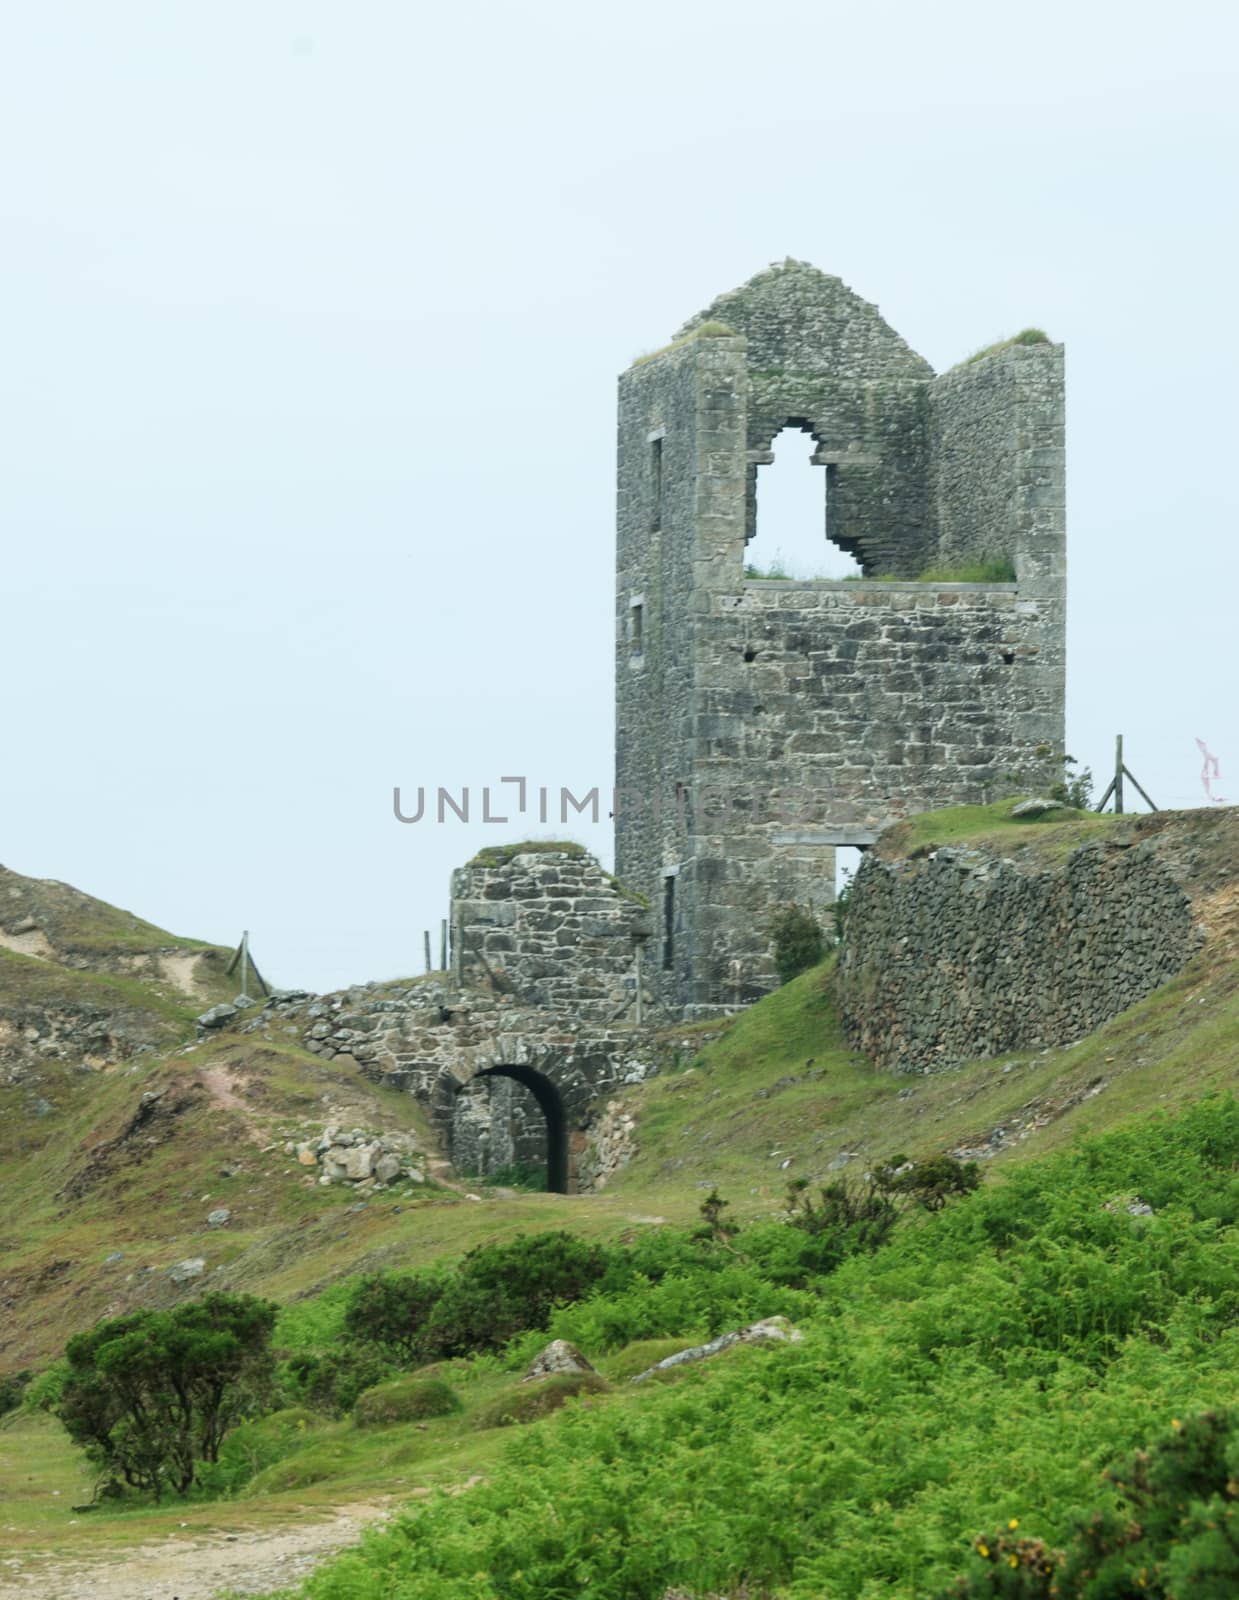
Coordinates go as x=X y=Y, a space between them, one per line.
x=192 y=1567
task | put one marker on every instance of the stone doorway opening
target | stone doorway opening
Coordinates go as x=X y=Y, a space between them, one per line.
x=509 y=1124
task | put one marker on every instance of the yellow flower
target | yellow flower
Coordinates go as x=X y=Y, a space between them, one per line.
x=1175 y=1423
x=984 y=1549
x=1014 y=1522
x=1013 y=1560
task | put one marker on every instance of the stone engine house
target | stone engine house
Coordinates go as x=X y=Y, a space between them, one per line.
x=763 y=723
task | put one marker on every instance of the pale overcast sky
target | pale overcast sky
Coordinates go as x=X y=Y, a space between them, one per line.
x=314 y=313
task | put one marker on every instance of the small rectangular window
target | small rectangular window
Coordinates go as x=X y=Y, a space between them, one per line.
x=636 y=628
x=668 y=921
x=656 y=484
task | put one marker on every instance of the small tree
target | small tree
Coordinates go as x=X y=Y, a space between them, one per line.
x=150 y=1395
x=798 y=941
x=716 y=1228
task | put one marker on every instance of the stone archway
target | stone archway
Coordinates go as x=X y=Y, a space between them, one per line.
x=563 y=1107
x=560 y=1179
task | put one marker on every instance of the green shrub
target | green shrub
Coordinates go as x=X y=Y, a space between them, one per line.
x=253 y=1446
x=977 y=1370
x=43 y=1392
x=330 y=1382
x=1175 y=1531
x=391 y=1310
x=798 y=941
x=150 y=1395
x=13 y=1388
x=1075 y=788
x=405 y=1400
x=530 y=1401
x=500 y=1290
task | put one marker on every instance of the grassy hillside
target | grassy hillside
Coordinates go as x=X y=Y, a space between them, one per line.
x=59 y=926
x=984 y=1366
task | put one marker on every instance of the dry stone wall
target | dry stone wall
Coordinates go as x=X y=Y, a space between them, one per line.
x=964 y=953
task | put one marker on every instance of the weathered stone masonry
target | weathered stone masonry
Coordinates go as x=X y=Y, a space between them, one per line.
x=515 y=1052
x=964 y=953
x=759 y=723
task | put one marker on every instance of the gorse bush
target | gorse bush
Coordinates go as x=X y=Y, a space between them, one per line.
x=405 y=1400
x=391 y=1310
x=1175 y=1531
x=330 y=1382
x=797 y=941
x=496 y=1292
x=151 y=1395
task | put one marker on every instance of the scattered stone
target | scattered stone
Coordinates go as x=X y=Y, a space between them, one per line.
x=386 y=1168
x=219 y=1218
x=185 y=1271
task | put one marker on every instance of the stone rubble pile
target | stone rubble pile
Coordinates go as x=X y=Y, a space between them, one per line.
x=357 y=1157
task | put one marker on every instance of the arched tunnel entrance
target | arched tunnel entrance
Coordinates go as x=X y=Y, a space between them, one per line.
x=508 y=1120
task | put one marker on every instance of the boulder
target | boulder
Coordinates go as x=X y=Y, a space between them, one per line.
x=558 y=1356
x=1037 y=808
x=358 y=1162
x=219 y=1218
x=217 y=1016
x=387 y=1168
x=185 y=1271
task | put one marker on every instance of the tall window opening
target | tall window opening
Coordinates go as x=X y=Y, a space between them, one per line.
x=656 y=483
x=636 y=628
x=794 y=515
x=669 y=921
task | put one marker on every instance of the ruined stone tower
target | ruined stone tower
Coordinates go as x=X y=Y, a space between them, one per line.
x=761 y=724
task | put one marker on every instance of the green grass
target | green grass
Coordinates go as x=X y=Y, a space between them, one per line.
x=772 y=1094
x=1025 y=336
x=985 y=569
x=498 y=855
x=703 y=330
x=993 y=827
x=31 y=981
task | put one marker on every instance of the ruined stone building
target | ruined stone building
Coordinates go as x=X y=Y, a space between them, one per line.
x=763 y=723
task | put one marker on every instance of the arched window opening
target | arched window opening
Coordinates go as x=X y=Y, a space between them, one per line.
x=792 y=515
x=509 y=1128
